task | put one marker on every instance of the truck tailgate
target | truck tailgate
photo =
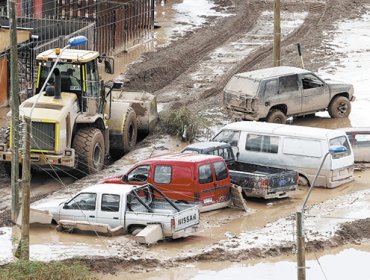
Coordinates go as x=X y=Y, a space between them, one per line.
x=186 y=218
x=283 y=180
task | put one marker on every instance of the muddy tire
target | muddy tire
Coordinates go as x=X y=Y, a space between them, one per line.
x=90 y=150
x=135 y=229
x=303 y=181
x=276 y=116
x=340 y=107
x=129 y=135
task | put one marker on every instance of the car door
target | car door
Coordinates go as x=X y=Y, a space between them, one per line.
x=222 y=181
x=315 y=93
x=80 y=208
x=109 y=210
x=289 y=94
x=207 y=190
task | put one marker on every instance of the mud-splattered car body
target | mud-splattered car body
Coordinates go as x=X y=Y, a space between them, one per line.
x=273 y=94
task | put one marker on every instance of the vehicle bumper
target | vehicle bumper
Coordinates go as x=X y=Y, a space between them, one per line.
x=185 y=232
x=334 y=184
x=270 y=194
x=41 y=159
x=243 y=115
x=214 y=206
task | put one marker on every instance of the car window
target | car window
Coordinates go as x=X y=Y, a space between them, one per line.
x=242 y=84
x=271 y=88
x=83 y=201
x=311 y=81
x=340 y=141
x=205 y=174
x=228 y=136
x=220 y=170
x=110 y=202
x=288 y=83
x=139 y=174
x=162 y=174
x=262 y=143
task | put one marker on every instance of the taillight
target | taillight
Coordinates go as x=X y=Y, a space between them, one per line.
x=297 y=180
x=173 y=225
x=263 y=183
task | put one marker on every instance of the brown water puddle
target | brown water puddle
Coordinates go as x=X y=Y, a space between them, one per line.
x=334 y=263
x=261 y=212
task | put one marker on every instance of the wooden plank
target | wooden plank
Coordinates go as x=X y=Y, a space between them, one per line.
x=237 y=197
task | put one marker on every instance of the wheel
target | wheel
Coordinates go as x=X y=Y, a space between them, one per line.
x=134 y=230
x=340 y=107
x=90 y=150
x=303 y=181
x=129 y=135
x=276 y=116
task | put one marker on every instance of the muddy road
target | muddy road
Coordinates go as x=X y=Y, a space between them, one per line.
x=191 y=71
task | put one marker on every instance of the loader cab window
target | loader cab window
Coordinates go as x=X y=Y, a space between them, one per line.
x=70 y=75
x=92 y=79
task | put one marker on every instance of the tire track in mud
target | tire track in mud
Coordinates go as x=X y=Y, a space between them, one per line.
x=160 y=68
x=316 y=13
x=138 y=73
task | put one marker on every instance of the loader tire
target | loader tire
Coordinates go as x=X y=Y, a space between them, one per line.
x=89 y=148
x=129 y=135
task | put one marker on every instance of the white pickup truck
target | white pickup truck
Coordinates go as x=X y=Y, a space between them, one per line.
x=117 y=208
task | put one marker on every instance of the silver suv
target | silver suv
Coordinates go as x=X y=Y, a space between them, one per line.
x=273 y=94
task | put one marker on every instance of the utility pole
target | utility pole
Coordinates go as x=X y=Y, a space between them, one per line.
x=301 y=258
x=14 y=89
x=24 y=244
x=277 y=33
x=301 y=247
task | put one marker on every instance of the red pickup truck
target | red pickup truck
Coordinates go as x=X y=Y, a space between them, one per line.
x=192 y=178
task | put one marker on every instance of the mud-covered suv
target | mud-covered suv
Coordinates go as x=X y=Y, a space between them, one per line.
x=273 y=94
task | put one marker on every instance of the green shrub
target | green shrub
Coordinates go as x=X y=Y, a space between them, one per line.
x=176 y=122
x=22 y=270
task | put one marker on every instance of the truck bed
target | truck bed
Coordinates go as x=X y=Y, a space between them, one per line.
x=263 y=181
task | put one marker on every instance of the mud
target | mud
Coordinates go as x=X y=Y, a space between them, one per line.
x=167 y=72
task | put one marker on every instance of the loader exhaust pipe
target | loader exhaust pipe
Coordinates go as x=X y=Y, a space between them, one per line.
x=58 y=84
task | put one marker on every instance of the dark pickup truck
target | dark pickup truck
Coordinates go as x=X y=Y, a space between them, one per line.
x=255 y=180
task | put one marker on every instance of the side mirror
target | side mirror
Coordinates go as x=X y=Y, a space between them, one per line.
x=125 y=178
x=108 y=67
x=65 y=205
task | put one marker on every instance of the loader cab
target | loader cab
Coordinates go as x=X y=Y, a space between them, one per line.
x=79 y=75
